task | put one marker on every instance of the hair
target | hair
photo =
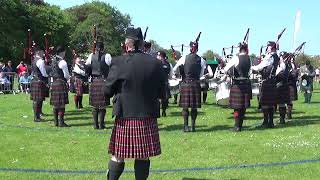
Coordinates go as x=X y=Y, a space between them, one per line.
x=133 y=44
x=60 y=49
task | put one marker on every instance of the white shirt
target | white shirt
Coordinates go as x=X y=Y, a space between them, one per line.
x=182 y=60
x=234 y=62
x=171 y=71
x=266 y=61
x=107 y=59
x=41 y=66
x=64 y=67
x=78 y=70
x=281 y=67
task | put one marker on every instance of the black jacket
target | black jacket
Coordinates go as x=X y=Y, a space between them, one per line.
x=136 y=81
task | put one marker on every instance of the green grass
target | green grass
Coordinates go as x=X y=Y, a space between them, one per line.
x=28 y=145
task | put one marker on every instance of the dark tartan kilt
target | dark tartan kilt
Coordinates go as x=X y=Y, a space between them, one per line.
x=81 y=87
x=136 y=138
x=59 y=93
x=240 y=96
x=283 y=94
x=293 y=91
x=38 y=90
x=190 y=94
x=97 y=97
x=268 y=93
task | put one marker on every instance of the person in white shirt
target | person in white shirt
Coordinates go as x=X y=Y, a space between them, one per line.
x=59 y=89
x=190 y=90
x=99 y=63
x=208 y=73
x=79 y=83
x=283 y=92
x=267 y=68
x=240 y=92
x=39 y=89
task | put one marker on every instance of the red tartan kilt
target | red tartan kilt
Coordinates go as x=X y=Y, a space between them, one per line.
x=293 y=92
x=240 y=96
x=190 y=94
x=97 y=97
x=59 y=93
x=283 y=94
x=38 y=90
x=81 y=87
x=268 y=94
x=136 y=138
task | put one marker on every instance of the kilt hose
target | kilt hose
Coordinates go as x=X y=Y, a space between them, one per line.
x=135 y=138
x=59 y=93
x=293 y=91
x=38 y=90
x=97 y=98
x=283 y=94
x=268 y=93
x=190 y=94
x=240 y=95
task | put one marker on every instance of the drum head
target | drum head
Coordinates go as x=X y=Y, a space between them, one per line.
x=304 y=82
x=173 y=82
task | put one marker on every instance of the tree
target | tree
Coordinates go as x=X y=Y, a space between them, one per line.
x=111 y=25
x=209 y=54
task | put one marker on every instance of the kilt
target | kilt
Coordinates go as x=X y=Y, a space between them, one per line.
x=80 y=87
x=283 y=94
x=268 y=93
x=240 y=95
x=190 y=94
x=59 y=93
x=97 y=97
x=38 y=90
x=293 y=92
x=135 y=138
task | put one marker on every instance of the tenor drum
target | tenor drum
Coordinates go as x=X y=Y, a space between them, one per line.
x=223 y=94
x=174 y=86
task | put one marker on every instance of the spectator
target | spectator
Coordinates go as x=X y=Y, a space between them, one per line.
x=4 y=82
x=21 y=68
x=24 y=82
x=2 y=67
x=10 y=69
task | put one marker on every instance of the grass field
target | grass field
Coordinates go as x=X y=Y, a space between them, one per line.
x=213 y=152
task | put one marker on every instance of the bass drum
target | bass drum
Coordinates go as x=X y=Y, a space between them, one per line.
x=223 y=94
x=174 y=86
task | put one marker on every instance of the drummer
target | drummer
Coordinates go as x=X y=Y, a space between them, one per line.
x=167 y=67
x=190 y=91
x=307 y=73
x=204 y=83
x=240 y=92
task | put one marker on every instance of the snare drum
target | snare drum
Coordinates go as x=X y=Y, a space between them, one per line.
x=213 y=83
x=255 y=89
x=223 y=94
x=174 y=86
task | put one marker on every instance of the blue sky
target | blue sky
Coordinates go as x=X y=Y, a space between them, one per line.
x=222 y=23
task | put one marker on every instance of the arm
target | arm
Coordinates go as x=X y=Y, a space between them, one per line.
x=280 y=68
x=231 y=63
x=88 y=61
x=171 y=72
x=203 y=66
x=264 y=63
x=77 y=70
x=112 y=79
x=180 y=62
x=40 y=64
x=64 y=67
x=210 y=71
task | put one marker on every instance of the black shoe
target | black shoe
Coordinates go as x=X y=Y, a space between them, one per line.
x=263 y=126
x=235 y=129
x=193 y=129
x=37 y=120
x=186 y=129
x=289 y=116
x=164 y=114
x=80 y=106
x=62 y=124
x=270 y=125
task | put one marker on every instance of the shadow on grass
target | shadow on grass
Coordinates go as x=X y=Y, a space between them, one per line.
x=175 y=113
x=296 y=121
x=77 y=118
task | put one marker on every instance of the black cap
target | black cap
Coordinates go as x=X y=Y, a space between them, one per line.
x=243 y=45
x=100 y=45
x=147 y=45
x=271 y=43
x=134 y=33
x=284 y=54
x=60 y=49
